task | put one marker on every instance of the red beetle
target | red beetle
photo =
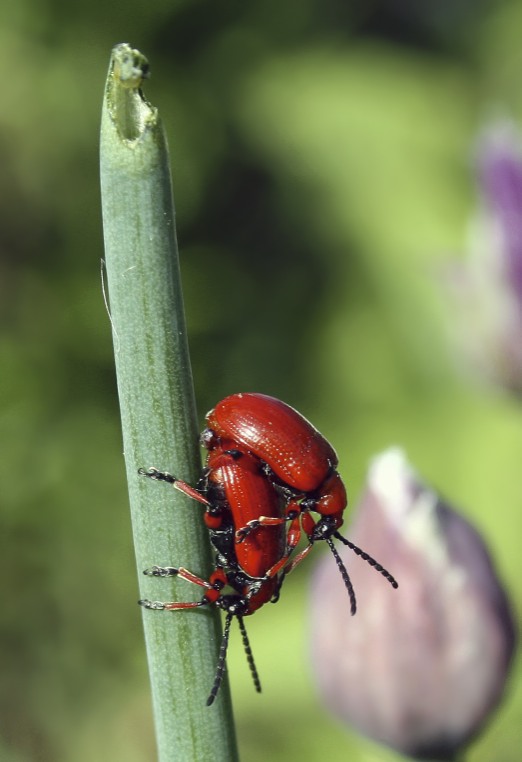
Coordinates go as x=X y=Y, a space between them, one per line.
x=239 y=492
x=267 y=467
x=300 y=461
x=283 y=439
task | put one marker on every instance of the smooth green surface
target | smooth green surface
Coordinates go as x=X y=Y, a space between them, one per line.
x=158 y=415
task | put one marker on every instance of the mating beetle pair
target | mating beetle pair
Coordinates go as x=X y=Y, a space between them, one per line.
x=267 y=469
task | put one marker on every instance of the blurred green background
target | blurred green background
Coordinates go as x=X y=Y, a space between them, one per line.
x=321 y=159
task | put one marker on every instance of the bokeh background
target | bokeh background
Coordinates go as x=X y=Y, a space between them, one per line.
x=322 y=160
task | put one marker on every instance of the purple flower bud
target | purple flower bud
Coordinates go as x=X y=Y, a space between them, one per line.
x=422 y=667
x=499 y=161
x=487 y=287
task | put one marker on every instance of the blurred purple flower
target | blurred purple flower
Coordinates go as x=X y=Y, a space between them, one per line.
x=421 y=668
x=487 y=287
x=500 y=175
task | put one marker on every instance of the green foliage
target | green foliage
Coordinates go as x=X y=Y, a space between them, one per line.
x=320 y=155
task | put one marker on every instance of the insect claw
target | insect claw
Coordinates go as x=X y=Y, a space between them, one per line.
x=150 y=472
x=161 y=571
x=153 y=605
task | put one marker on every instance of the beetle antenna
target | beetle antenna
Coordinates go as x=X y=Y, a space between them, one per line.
x=344 y=574
x=249 y=654
x=365 y=557
x=221 y=661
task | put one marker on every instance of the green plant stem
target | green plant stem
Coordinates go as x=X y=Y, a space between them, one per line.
x=158 y=415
